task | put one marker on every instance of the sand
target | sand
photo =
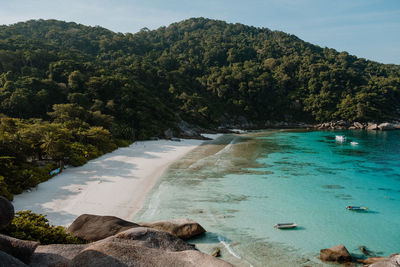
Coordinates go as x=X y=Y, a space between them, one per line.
x=115 y=184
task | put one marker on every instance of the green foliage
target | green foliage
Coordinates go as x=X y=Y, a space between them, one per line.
x=27 y=225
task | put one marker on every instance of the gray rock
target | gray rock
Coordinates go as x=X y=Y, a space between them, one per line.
x=6 y=212
x=372 y=126
x=168 y=134
x=111 y=252
x=152 y=238
x=183 y=228
x=337 y=253
x=20 y=249
x=7 y=260
x=386 y=126
x=58 y=255
x=393 y=261
x=94 y=227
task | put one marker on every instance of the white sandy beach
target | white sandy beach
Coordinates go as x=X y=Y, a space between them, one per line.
x=114 y=184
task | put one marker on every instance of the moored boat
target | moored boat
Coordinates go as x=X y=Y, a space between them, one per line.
x=356 y=208
x=285 y=225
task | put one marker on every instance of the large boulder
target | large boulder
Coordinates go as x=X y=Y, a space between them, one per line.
x=113 y=252
x=372 y=126
x=386 y=126
x=393 y=261
x=183 y=228
x=152 y=238
x=358 y=125
x=58 y=255
x=6 y=212
x=7 y=260
x=20 y=249
x=94 y=227
x=337 y=253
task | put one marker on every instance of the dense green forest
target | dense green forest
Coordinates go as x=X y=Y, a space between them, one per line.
x=72 y=92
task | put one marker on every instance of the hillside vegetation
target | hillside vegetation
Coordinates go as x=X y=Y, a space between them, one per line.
x=72 y=92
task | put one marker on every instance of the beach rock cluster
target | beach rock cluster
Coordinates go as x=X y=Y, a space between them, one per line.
x=115 y=242
x=340 y=125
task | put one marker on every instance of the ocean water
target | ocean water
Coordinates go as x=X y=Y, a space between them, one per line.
x=239 y=186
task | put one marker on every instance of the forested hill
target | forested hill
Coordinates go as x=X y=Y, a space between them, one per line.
x=70 y=93
x=200 y=70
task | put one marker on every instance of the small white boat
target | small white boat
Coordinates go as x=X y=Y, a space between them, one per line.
x=340 y=138
x=353 y=143
x=285 y=225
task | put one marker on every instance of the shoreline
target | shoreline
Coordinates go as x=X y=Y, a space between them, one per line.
x=115 y=184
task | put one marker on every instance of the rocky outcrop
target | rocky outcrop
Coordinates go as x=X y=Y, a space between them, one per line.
x=183 y=228
x=110 y=252
x=6 y=212
x=94 y=227
x=7 y=260
x=17 y=248
x=393 y=261
x=55 y=255
x=386 y=126
x=152 y=238
x=134 y=247
x=337 y=253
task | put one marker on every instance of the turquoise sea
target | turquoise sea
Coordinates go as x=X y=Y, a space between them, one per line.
x=239 y=186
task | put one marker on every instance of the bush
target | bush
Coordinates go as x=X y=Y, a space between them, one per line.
x=27 y=225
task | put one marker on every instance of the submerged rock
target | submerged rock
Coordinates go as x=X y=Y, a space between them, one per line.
x=7 y=260
x=94 y=227
x=372 y=260
x=20 y=249
x=183 y=228
x=337 y=253
x=6 y=212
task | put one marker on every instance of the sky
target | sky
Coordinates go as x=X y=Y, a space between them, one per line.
x=366 y=28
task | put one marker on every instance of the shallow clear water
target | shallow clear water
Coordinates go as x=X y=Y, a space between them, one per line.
x=238 y=187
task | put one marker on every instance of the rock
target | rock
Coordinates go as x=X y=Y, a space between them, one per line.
x=6 y=212
x=175 y=139
x=352 y=128
x=393 y=261
x=183 y=228
x=372 y=260
x=20 y=249
x=111 y=252
x=372 y=126
x=358 y=125
x=58 y=255
x=337 y=253
x=217 y=253
x=7 y=260
x=386 y=126
x=94 y=227
x=152 y=238
x=168 y=134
